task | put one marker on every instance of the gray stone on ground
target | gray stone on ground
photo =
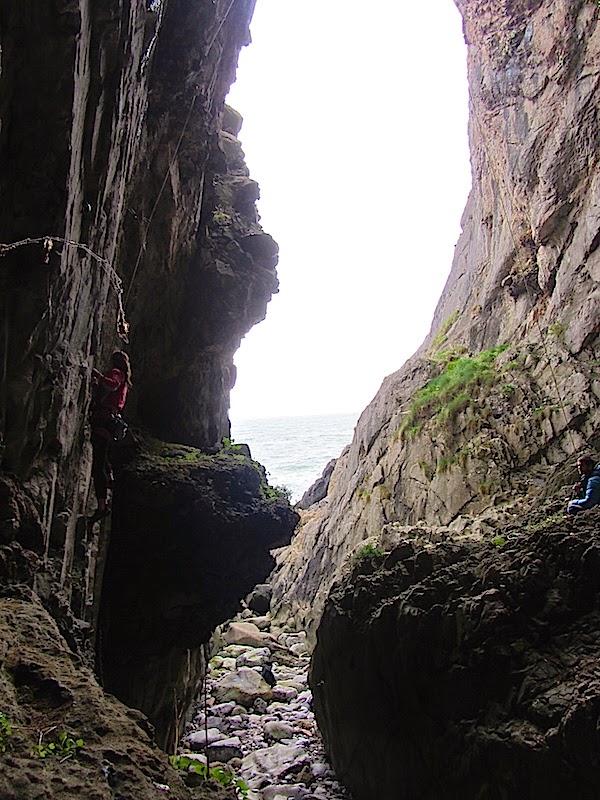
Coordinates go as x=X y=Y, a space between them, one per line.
x=226 y=749
x=199 y=757
x=257 y=657
x=260 y=705
x=287 y=719
x=275 y=761
x=277 y=730
x=199 y=739
x=262 y=623
x=223 y=709
x=284 y=693
x=246 y=633
x=242 y=687
x=286 y=791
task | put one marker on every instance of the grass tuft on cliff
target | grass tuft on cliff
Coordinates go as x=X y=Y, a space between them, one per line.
x=451 y=390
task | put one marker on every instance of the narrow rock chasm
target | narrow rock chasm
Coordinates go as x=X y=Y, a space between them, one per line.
x=255 y=713
x=450 y=605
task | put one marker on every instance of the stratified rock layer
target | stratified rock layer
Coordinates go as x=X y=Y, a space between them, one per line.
x=525 y=277
x=466 y=669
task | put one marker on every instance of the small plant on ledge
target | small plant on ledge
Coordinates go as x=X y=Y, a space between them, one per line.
x=277 y=493
x=5 y=733
x=220 y=774
x=63 y=748
x=368 y=552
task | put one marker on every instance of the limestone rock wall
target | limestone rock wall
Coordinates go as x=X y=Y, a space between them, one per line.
x=524 y=277
x=114 y=144
x=459 y=666
x=127 y=220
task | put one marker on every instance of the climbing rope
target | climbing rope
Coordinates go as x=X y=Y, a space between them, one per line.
x=150 y=219
x=519 y=246
x=156 y=202
x=4 y=397
x=219 y=28
x=206 y=654
x=115 y=280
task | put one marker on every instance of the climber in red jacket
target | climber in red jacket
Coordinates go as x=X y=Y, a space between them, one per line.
x=109 y=395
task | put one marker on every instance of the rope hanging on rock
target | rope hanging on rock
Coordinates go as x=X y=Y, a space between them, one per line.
x=218 y=31
x=172 y=161
x=115 y=280
x=155 y=206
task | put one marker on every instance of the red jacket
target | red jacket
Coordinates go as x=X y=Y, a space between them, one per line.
x=110 y=393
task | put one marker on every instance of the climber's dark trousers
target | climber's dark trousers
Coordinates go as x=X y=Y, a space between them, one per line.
x=101 y=467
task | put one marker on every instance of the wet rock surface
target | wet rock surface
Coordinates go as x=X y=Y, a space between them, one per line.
x=257 y=715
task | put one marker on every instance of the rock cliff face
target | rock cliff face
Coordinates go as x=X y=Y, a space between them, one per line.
x=453 y=606
x=191 y=536
x=506 y=382
x=128 y=219
x=456 y=666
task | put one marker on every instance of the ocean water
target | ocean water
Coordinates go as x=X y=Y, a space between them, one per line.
x=295 y=450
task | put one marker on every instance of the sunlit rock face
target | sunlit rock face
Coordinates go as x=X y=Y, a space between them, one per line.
x=115 y=143
x=524 y=276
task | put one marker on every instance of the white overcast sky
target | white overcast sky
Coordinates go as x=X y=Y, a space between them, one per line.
x=355 y=127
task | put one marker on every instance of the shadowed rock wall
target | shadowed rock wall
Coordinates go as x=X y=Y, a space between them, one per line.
x=115 y=143
x=466 y=668
x=192 y=535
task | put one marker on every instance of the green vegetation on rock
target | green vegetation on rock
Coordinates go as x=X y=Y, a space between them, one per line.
x=384 y=491
x=5 y=733
x=442 y=334
x=158 y=456
x=448 y=355
x=367 y=552
x=158 y=459
x=277 y=492
x=452 y=390
x=63 y=748
x=556 y=517
x=219 y=774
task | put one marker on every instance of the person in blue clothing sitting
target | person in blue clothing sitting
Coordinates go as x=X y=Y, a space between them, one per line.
x=588 y=489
